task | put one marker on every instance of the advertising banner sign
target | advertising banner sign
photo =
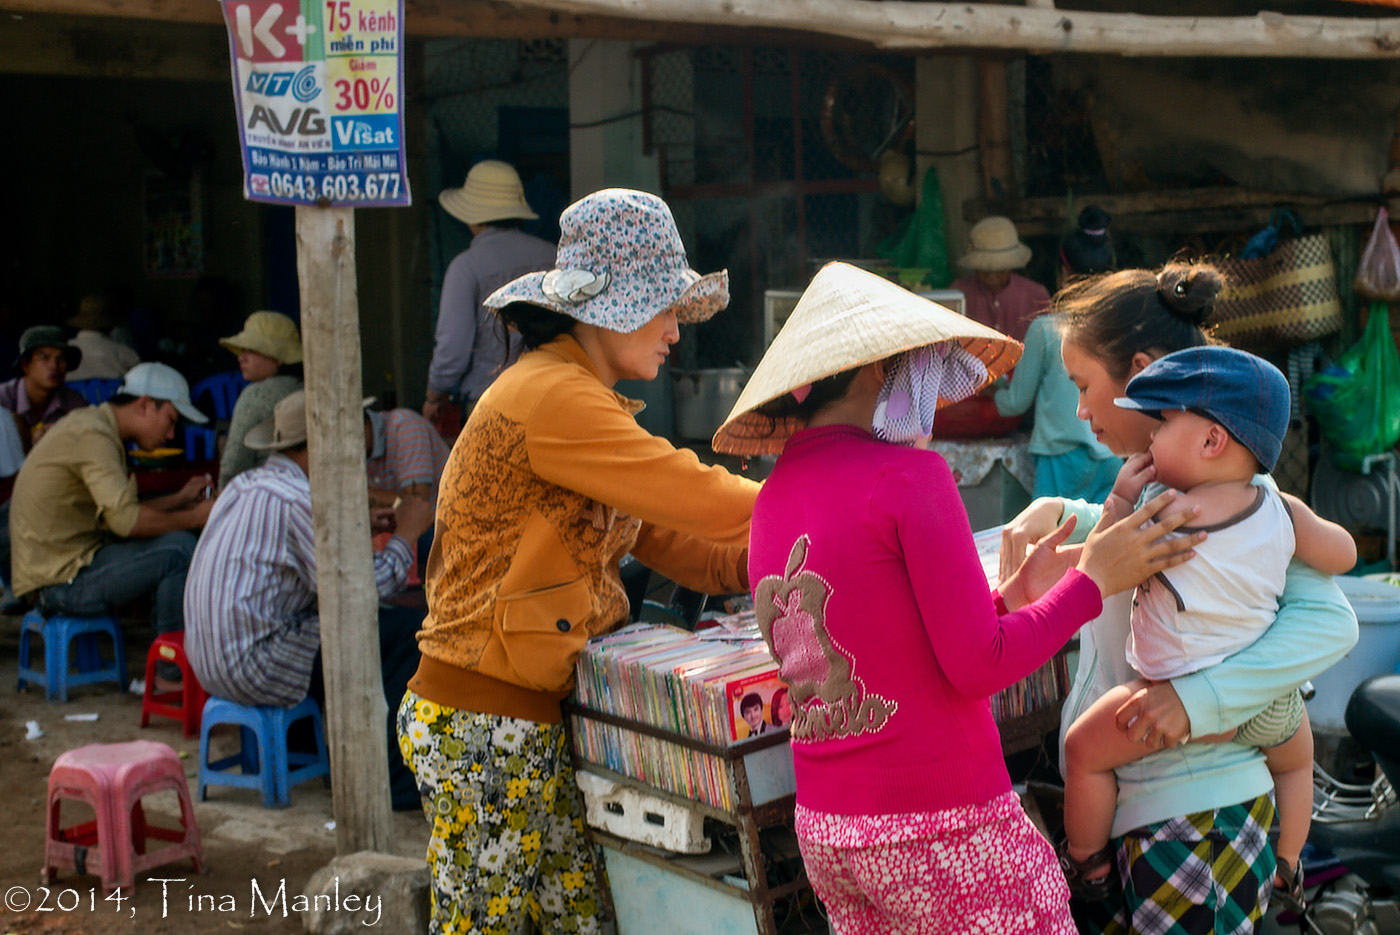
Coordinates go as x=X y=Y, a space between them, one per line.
x=318 y=85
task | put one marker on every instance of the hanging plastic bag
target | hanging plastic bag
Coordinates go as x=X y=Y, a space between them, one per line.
x=1356 y=398
x=923 y=242
x=1378 y=273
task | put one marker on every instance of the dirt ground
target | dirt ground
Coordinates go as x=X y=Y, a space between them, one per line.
x=243 y=842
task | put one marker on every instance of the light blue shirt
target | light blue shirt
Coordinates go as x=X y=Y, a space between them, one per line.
x=1315 y=628
x=1040 y=378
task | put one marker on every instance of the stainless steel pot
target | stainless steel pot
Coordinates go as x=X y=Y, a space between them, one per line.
x=703 y=399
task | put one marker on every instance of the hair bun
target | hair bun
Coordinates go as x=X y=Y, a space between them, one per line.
x=1188 y=290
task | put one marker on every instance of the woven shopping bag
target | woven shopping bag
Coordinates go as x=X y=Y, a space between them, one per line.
x=1285 y=298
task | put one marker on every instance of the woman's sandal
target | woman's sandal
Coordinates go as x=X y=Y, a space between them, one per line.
x=1090 y=890
x=1290 y=895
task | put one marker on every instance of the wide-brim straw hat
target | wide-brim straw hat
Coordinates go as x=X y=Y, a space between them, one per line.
x=492 y=192
x=269 y=333
x=92 y=315
x=621 y=262
x=847 y=318
x=994 y=245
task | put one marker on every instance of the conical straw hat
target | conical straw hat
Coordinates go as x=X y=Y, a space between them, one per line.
x=847 y=318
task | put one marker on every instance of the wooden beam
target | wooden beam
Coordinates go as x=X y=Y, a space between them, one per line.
x=346 y=599
x=994 y=128
x=888 y=24
x=1180 y=210
x=479 y=19
x=901 y=24
x=171 y=11
x=85 y=48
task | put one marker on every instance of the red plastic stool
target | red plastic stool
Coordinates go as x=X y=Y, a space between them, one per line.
x=113 y=778
x=185 y=704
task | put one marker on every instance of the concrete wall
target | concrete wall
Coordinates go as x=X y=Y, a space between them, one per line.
x=605 y=100
x=1319 y=127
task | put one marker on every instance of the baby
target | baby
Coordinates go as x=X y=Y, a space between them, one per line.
x=1224 y=413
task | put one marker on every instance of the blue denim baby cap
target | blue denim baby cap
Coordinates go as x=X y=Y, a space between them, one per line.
x=1246 y=394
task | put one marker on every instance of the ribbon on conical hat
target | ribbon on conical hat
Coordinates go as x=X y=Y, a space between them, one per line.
x=847 y=318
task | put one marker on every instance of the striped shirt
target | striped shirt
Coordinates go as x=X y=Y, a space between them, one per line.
x=251 y=627
x=405 y=450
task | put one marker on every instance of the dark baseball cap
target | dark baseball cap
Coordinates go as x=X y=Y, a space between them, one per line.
x=48 y=336
x=1244 y=393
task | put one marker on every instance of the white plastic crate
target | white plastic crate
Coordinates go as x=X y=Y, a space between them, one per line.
x=637 y=816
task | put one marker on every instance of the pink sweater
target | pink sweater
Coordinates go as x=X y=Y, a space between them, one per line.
x=870 y=594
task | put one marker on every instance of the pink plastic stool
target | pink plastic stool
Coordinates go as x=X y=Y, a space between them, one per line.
x=113 y=778
x=185 y=705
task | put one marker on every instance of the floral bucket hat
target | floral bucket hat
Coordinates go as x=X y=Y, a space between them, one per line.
x=621 y=263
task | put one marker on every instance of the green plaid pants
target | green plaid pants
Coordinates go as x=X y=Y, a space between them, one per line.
x=1209 y=873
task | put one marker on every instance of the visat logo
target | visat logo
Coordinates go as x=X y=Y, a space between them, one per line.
x=358 y=133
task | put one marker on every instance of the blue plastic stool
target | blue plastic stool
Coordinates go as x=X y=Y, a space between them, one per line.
x=263 y=757
x=59 y=632
x=200 y=443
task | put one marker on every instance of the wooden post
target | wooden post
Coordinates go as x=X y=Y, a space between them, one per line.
x=348 y=603
x=994 y=129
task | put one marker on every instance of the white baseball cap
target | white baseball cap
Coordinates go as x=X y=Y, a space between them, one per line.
x=159 y=381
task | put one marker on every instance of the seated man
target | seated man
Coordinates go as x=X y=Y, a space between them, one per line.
x=253 y=635
x=40 y=395
x=406 y=456
x=82 y=543
x=104 y=357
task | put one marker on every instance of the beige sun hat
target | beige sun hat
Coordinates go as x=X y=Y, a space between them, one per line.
x=270 y=333
x=847 y=318
x=492 y=192
x=287 y=427
x=994 y=245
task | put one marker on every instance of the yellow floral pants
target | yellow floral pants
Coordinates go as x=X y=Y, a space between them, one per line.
x=507 y=822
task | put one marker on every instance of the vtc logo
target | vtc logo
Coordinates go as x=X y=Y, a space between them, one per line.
x=301 y=84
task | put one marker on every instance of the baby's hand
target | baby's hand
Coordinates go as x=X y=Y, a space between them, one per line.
x=1135 y=474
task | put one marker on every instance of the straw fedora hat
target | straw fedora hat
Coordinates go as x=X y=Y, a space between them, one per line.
x=492 y=192
x=621 y=262
x=286 y=428
x=847 y=318
x=994 y=245
x=269 y=333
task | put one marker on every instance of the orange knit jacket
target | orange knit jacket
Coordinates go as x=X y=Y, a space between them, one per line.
x=551 y=483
